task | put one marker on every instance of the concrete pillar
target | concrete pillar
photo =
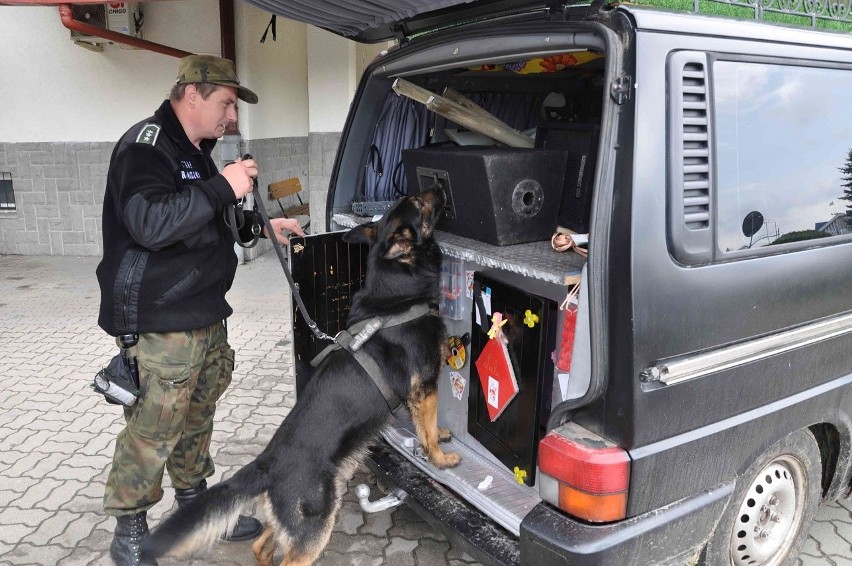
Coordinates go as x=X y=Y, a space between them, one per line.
x=331 y=85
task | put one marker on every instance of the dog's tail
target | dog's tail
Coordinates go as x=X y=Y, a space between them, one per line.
x=199 y=522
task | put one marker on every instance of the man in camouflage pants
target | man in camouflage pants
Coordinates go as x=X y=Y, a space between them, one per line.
x=169 y=228
x=185 y=373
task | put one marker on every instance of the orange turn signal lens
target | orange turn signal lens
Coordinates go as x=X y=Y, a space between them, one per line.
x=594 y=508
x=584 y=474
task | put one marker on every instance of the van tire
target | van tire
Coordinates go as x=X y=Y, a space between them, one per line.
x=778 y=494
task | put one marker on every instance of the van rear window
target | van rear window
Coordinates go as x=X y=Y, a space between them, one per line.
x=784 y=153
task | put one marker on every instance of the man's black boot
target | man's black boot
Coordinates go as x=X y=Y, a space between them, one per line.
x=247 y=528
x=130 y=531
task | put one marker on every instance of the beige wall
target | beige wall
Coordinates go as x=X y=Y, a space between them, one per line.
x=63 y=92
x=331 y=69
x=335 y=66
x=277 y=71
x=364 y=55
x=52 y=90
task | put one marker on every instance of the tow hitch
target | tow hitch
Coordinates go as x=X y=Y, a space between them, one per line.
x=393 y=499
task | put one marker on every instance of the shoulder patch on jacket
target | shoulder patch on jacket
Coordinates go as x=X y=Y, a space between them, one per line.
x=148 y=134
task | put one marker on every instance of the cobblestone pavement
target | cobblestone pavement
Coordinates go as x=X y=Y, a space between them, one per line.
x=57 y=436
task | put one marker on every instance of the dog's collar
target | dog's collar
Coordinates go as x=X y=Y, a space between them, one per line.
x=356 y=335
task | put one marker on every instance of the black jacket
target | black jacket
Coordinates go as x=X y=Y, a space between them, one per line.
x=168 y=254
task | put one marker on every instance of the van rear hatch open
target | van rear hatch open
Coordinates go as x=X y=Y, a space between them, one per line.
x=546 y=83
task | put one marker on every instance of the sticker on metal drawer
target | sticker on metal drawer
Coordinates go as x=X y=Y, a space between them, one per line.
x=458 y=383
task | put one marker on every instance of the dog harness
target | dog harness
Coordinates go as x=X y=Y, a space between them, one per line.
x=356 y=335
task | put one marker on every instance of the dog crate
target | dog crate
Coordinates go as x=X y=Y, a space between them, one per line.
x=327 y=272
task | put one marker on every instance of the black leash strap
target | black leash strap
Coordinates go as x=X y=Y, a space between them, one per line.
x=235 y=223
x=270 y=25
x=271 y=234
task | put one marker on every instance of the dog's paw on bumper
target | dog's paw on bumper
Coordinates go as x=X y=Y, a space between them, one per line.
x=443 y=460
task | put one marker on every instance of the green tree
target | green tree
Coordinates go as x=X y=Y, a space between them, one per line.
x=798 y=236
x=847 y=177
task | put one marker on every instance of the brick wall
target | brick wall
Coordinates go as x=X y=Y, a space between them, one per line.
x=58 y=195
x=277 y=159
x=322 y=150
x=59 y=190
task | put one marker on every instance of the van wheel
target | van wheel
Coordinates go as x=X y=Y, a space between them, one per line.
x=769 y=515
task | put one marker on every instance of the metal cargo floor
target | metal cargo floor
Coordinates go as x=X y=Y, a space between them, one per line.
x=505 y=500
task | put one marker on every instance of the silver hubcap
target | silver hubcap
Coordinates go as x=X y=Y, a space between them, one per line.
x=770 y=514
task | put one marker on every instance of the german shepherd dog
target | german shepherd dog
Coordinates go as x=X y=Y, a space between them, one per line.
x=300 y=477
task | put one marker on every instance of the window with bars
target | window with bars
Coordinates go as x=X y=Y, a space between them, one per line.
x=7 y=194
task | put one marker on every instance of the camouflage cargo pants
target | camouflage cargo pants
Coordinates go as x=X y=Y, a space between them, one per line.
x=182 y=374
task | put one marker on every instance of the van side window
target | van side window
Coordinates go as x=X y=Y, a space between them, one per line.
x=783 y=154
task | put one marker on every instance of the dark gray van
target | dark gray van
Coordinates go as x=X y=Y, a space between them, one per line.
x=682 y=394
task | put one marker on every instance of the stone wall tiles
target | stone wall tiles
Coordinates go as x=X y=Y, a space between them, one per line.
x=59 y=190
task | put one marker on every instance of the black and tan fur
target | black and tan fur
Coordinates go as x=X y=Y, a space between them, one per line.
x=301 y=475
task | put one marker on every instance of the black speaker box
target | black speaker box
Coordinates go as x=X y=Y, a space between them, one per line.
x=581 y=143
x=497 y=195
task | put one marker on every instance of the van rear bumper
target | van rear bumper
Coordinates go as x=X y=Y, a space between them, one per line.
x=664 y=536
x=548 y=537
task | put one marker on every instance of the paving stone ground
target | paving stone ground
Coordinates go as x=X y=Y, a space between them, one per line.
x=57 y=436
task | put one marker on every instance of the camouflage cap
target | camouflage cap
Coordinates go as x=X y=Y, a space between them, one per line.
x=214 y=70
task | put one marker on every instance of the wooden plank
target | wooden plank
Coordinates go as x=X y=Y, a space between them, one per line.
x=285 y=188
x=475 y=109
x=464 y=115
x=298 y=210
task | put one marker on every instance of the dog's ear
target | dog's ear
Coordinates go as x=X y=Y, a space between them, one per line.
x=400 y=243
x=363 y=234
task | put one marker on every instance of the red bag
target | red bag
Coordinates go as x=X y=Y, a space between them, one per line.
x=566 y=348
x=569 y=328
x=497 y=377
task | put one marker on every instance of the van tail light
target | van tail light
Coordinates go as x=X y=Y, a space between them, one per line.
x=583 y=474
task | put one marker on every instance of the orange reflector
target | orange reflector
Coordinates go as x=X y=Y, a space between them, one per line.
x=594 y=508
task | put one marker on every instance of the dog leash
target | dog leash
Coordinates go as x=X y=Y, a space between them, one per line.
x=235 y=223
x=258 y=201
